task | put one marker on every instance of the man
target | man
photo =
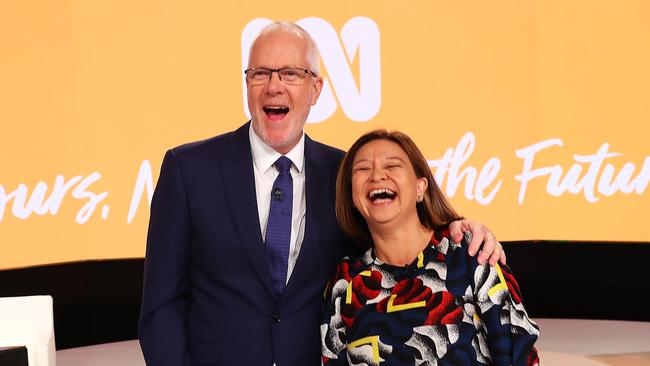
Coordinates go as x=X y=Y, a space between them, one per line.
x=228 y=279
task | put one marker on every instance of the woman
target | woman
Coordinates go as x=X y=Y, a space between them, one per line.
x=415 y=297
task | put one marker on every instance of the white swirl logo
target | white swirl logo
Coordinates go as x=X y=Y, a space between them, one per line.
x=359 y=38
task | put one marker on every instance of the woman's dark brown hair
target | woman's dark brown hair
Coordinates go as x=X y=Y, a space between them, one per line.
x=434 y=211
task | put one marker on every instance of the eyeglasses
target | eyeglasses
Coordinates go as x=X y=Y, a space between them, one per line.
x=290 y=76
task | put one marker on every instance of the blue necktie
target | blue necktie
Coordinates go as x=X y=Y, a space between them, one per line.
x=278 y=228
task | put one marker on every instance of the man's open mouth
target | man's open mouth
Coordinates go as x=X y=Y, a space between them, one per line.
x=276 y=112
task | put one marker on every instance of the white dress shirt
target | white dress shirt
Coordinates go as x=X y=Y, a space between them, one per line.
x=265 y=173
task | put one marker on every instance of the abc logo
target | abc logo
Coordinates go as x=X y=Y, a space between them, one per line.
x=359 y=38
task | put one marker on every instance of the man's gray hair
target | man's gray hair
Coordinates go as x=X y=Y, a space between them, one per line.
x=313 y=55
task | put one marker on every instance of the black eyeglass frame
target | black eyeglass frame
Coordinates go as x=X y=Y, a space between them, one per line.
x=307 y=71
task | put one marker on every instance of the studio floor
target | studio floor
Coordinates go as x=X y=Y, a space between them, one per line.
x=562 y=342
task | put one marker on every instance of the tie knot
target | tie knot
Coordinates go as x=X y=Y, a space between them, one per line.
x=283 y=164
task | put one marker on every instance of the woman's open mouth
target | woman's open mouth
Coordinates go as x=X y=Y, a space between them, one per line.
x=381 y=195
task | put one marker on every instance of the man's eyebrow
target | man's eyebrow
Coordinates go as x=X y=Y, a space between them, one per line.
x=279 y=68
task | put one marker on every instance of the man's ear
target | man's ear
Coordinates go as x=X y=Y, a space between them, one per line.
x=317 y=88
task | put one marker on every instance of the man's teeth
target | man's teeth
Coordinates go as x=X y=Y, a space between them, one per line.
x=275 y=109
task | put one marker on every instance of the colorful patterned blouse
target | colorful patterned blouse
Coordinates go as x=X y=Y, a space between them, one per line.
x=443 y=309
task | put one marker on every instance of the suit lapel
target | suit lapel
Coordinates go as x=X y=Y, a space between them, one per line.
x=239 y=183
x=318 y=198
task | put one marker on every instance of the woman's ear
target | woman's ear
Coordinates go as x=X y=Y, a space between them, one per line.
x=421 y=188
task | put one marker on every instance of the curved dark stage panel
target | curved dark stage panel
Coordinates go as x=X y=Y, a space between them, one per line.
x=98 y=301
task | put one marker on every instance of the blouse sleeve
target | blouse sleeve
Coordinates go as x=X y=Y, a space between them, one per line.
x=332 y=328
x=510 y=333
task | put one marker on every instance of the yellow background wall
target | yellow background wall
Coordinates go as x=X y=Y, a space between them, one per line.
x=94 y=92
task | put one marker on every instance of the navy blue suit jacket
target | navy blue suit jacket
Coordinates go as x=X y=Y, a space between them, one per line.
x=208 y=297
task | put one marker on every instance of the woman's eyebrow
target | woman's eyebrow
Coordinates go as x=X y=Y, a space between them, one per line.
x=398 y=158
x=362 y=160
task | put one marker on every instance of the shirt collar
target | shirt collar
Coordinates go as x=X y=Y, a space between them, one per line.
x=264 y=155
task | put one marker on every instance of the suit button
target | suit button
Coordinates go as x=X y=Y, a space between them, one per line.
x=276 y=318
